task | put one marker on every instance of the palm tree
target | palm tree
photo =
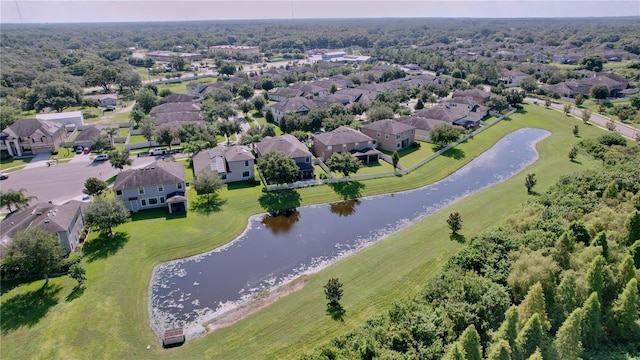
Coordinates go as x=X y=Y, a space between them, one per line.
x=111 y=131
x=15 y=197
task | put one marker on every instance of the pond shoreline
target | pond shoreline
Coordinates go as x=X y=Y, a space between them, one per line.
x=233 y=311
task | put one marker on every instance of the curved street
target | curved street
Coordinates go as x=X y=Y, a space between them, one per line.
x=62 y=182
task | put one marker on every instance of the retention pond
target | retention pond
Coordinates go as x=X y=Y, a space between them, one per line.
x=274 y=250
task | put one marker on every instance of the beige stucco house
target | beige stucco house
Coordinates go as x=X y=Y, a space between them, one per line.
x=390 y=135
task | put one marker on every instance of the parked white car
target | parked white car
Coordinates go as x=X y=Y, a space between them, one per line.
x=101 y=157
x=157 y=151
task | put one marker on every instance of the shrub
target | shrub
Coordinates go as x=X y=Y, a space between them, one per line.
x=612 y=138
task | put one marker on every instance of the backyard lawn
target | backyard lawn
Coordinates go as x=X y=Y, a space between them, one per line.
x=413 y=155
x=109 y=319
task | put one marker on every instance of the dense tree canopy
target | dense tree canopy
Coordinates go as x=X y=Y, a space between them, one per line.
x=277 y=168
x=34 y=251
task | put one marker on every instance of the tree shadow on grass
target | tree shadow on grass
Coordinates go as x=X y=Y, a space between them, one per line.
x=77 y=291
x=454 y=153
x=274 y=201
x=459 y=238
x=27 y=309
x=336 y=311
x=576 y=162
x=207 y=205
x=104 y=246
x=348 y=190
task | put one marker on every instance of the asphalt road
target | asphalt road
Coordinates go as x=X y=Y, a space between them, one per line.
x=596 y=118
x=62 y=182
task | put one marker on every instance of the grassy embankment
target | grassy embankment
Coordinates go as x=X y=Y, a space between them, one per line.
x=110 y=318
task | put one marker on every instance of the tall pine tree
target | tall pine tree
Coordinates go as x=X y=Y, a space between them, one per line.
x=531 y=337
x=595 y=276
x=500 y=351
x=566 y=294
x=568 y=344
x=470 y=341
x=508 y=330
x=601 y=240
x=592 y=323
x=623 y=317
x=534 y=303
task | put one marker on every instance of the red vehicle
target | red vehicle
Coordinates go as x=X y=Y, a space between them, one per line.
x=86 y=150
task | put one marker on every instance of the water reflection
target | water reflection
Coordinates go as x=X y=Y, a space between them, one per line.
x=281 y=222
x=344 y=208
x=279 y=247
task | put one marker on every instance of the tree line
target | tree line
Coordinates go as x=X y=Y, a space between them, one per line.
x=557 y=280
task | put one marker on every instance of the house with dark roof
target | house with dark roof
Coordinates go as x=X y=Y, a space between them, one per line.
x=299 y=105
x=231 y=163
x=423 y=126
x=159 y=184
x=65 y=221
x=293 y=148
x=478 y=95
x=174 y=114
x=390 y=135
x=345 y=139
x=281 y=94
x=29 y=137
x=178 y=98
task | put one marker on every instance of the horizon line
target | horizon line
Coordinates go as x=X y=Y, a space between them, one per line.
x=327 y=18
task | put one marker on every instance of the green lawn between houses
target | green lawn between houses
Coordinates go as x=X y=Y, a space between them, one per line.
x=109 y=320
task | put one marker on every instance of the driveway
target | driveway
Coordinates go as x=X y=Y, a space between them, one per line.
x=62 y=182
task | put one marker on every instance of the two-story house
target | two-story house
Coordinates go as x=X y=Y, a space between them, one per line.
x=159 y=184
x=299 y=105
x=390 y=135
x=65 y=221
x=28 y=137
x=231 y=163
x=293 y=148
x=344 y=139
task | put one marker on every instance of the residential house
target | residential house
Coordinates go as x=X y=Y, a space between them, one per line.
x=345 y=139
x=178 y=98
x=157 y=185
x=196 y=89
x=390 y=135
x=327 y=101
x=28 y=137
x=443 y=113
x=104 y=99
x=567 y=89
x=310 y=90
x=478 y=95
x=512 y=78
x=423 y=126
x=475 y=112
x=293 y=148
x=231 y=163
x=299 y=105
x=175 y=114
x=65 y=221
x=614 y=82
x=281 y=94
x=87 y=136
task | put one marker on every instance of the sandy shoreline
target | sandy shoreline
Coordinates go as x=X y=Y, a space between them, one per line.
x=236 y=314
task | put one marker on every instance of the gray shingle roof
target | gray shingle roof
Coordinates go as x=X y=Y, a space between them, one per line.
x=217 y=159
x=286 y=143
x=174 y=107
x=342 y=135
x=156 y=173
x=26 y=127
x=389 y=126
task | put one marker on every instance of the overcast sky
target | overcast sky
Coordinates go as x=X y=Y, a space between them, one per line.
x=56 y=11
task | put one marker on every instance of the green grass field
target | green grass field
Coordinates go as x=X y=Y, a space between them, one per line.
x=109 y=320
x=11 y=162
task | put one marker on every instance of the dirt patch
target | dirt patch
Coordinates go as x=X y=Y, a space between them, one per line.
x=261 y=301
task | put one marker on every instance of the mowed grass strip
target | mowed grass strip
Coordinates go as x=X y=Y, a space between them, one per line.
x=111 y=319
